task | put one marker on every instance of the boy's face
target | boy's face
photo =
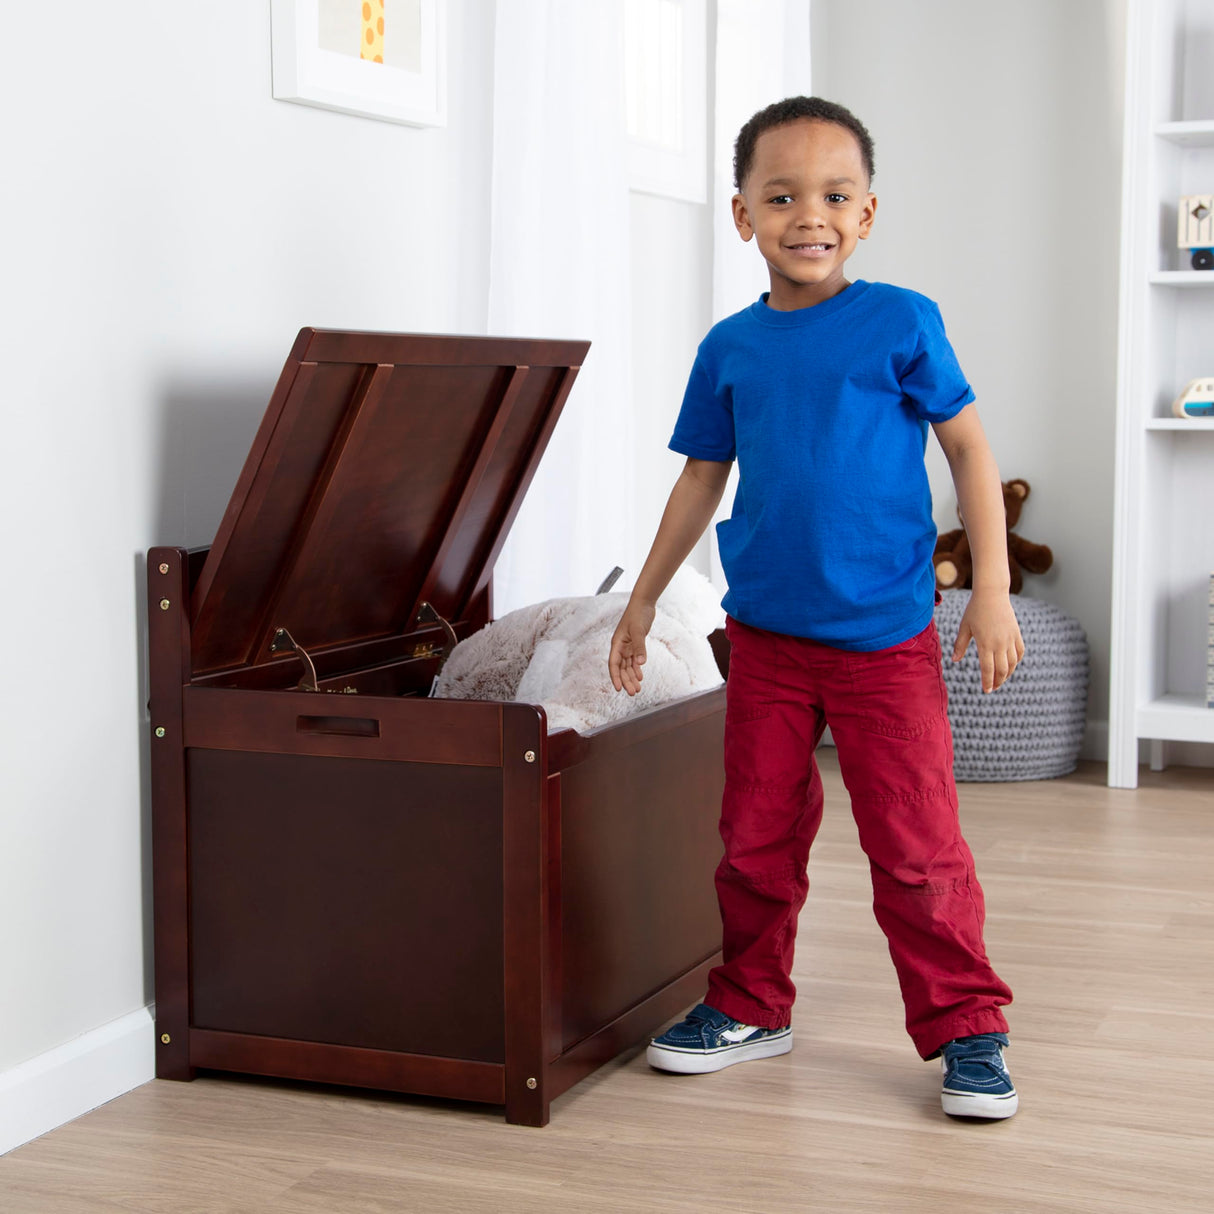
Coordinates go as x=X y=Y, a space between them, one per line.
x=806 y=200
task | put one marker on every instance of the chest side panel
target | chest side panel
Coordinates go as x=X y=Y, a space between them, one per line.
x=348 y=901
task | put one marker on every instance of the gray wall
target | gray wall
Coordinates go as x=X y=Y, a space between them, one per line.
x=998 y=137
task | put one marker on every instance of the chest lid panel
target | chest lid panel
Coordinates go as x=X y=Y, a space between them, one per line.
x=386 y=473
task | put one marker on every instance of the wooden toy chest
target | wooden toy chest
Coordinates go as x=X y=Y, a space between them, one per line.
x=361 y=885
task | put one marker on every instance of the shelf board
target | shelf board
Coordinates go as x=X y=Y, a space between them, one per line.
x=1188 y=134
x=1182 y=278
x=1180 y=423
x=1177 y=718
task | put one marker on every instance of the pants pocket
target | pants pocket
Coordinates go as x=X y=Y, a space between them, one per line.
x=899 y=692
x=750 y=688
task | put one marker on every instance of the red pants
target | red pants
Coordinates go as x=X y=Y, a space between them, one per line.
x=887 y=715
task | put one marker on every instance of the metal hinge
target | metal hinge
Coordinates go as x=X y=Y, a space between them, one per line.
x=284 y=642
x=427 y=649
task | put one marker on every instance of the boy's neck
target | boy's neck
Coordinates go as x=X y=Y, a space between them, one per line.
x=787 y=297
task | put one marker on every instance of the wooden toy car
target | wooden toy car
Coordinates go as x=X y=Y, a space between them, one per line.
x=1196 y=229
x=1197 y=399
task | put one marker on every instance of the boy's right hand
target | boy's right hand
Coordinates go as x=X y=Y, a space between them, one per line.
x=628 y=647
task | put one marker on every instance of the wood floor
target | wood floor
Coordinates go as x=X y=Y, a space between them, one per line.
x=1100 y=915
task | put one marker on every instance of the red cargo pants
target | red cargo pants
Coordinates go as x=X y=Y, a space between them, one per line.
x=887 y=715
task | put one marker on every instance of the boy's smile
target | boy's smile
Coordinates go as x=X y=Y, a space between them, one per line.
x=807 y=202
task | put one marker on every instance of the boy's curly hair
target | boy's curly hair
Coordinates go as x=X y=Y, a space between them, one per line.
x=793 y=109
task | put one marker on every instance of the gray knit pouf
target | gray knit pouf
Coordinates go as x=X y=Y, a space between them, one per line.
x=1032 y=727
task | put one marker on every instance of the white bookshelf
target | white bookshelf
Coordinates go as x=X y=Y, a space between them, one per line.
x=1198 y=134
x=1178 y=718
x=1163 y=551
x=1188 y=425
x=1181 y=278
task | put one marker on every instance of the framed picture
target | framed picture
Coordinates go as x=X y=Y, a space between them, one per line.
x=381 y=59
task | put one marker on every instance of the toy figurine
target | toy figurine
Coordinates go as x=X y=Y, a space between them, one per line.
x=1196 y=229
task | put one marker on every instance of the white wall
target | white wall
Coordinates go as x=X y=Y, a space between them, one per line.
x=998 y=143
x=167 y=228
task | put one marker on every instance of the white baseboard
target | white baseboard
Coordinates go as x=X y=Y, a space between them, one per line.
x=63 y=1083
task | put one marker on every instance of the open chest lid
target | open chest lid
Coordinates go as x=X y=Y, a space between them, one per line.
x=386 y=473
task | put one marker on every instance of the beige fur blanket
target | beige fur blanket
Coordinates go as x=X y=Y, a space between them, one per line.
x=555 y=654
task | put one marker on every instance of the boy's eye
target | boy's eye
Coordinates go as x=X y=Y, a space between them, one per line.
x=836 y=198
x=780 y=199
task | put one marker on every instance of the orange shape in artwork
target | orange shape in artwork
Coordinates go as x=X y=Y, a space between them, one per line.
x=372 y=41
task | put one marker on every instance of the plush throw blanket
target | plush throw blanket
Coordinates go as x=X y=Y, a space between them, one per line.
x=555 y=654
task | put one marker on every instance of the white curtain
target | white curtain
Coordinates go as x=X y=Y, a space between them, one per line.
x=559 y=267
x=754 y=67
x=560 y=254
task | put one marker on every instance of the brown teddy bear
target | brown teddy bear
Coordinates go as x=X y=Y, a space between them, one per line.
x=954 y=566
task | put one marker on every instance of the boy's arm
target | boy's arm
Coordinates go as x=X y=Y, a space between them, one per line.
x=692 y=503
x=988 y=620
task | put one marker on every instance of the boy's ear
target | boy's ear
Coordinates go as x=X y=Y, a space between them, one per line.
x=741 y=217
x=867 y=215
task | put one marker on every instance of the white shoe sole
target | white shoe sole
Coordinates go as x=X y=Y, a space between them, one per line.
x=993 y=1108
x=702 y=1062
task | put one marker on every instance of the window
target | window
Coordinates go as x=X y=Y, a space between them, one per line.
x=666 y=97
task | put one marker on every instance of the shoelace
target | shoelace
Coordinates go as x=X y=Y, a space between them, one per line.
x=982 y=1051
x=703 y=1014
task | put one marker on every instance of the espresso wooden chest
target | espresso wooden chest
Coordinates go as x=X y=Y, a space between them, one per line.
x=355 y=883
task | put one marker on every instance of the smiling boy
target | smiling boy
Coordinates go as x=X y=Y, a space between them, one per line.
x=805 y=249
x=823 y=391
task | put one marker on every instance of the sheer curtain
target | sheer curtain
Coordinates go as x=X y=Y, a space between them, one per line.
x=754 y=67
x=559 y=255
x=559 y=267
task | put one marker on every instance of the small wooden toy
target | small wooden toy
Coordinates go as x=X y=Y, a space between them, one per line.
x=1197 y=399
x=1195 y=229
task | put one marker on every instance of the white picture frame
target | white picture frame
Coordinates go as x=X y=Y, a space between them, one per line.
x=412 y=90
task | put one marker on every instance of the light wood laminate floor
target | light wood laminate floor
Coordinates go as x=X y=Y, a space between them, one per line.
x=1100 y=915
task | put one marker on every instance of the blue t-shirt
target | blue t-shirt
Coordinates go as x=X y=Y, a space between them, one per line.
x=826 y=411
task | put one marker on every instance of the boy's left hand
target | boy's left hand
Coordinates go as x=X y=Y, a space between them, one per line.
x=990 y=623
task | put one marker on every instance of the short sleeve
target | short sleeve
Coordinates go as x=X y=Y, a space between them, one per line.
x=933 y=380
x=704 y=429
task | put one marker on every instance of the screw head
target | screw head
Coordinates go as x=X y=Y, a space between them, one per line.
x=530 y=756
x=531 y=1083
x=160 y=731
x=165 y=1038
x=164 y=567
x=165 y=604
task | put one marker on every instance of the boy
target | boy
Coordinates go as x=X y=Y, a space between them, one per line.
x=823 y=391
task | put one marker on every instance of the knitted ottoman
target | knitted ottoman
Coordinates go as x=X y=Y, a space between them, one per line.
x=1032 y=727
